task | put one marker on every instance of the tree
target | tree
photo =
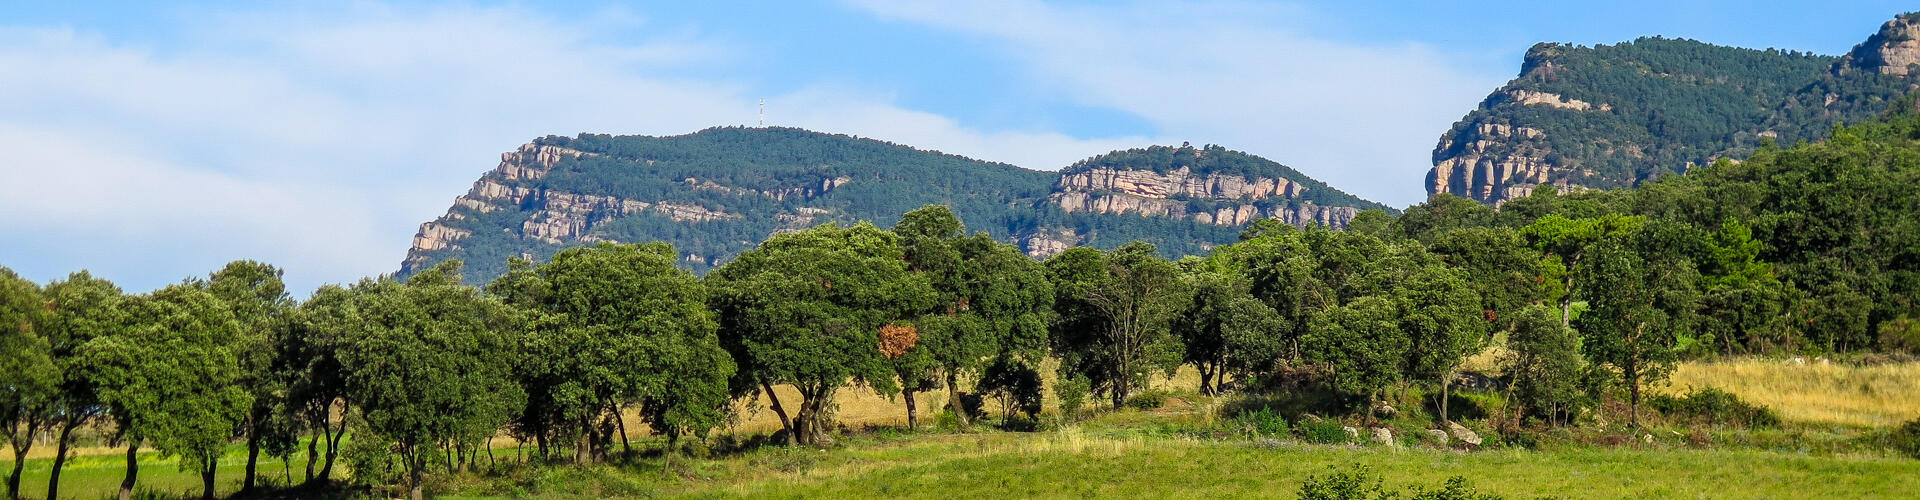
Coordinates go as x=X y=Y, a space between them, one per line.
x=1444 y=323
x=317 y=385
x=1641 y=297
x=1360 y=344
x=1114 y=312
x=1280 y=269
x=260 y=303
x=424 y=367
x=1014 y=384
x=806 y=308
x=992 y=301
x=171 y=379
x=81 y=308
x=29 y=379
x=1543 y=359
x=1224 y=328
x=1568 y=239
x=625 y=326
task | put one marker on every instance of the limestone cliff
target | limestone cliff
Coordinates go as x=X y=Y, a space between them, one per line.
x=719 y=192
x=1609 y=116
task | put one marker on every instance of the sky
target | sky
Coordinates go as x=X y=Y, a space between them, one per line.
x=149 y=142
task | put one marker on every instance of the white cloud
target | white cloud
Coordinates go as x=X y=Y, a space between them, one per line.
x=317 y=141
x=1364 y=118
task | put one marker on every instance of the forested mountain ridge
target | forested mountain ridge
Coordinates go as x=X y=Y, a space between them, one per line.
x=1610 y=116
x=720 y=191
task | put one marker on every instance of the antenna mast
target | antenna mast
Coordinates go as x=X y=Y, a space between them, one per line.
x=763 y=113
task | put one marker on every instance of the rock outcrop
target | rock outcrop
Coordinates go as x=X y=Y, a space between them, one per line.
x=1493 y=163
x=1577 y=117
x=1235 y=200
x=1894 y=50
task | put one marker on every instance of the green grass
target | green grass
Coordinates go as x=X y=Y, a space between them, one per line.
x=99 y=476
x=1156 y=454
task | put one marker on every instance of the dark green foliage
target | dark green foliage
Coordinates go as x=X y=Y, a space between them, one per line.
x=1147 y=400
x=805 y=308
x=27 y=370
x=1263 y=421
x=423 y=366
x=1358 y=482
x=1906 y=439
x=1225 y=328
x=1072 y=393
x=260 y=303
x=1544 y=364
x=1324 y=431
x=1900 y=335
x=1115 y=309
x=1716 y=407
x=170 y=376
x=1641 y=292
x=1361 y=345
x=1014 y=385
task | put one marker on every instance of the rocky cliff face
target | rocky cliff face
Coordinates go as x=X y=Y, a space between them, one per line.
x=718 y=192
x=558 y=217
x=1894 y=50
x=1235 y=200
x=1609 y=116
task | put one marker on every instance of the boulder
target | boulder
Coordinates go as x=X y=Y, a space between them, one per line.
x=1352 y=433
x=1463 y=434
x=1384 y=436
x=1439 y=436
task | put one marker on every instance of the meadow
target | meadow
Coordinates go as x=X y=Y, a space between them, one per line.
x=1179 y=451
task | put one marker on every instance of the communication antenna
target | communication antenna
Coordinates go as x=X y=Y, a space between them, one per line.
x=763 y=113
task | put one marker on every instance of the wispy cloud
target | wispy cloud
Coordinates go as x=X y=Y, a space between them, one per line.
x=317 y=140
x=1243 y=75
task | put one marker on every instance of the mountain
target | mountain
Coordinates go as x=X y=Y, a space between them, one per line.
x=1610 y=116
x=717 y=192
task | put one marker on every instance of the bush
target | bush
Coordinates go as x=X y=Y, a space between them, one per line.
x=1714 y=406
x=1262 y=422
x=1359 y=483
x=1324 y=431
x=1147 y=400
x=1906 y=439
x=1073 y=395
x=1900 y=335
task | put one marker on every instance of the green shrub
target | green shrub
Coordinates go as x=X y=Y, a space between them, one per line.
x=1900 y=335
x=1262 y=422
x=1906 y=439
x=1358 y=482
x=1147 y=400
x=1324 y=431
x=1715 y=406
x=1073 y=396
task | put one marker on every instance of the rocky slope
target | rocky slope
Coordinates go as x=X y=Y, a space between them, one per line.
x=718 y=192
x=1612 y=115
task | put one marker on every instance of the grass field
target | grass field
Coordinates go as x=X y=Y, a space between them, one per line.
x=1814 y=391
x=1134 y=454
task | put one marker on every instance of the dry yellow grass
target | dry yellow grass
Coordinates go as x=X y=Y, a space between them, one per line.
x=1813 y=391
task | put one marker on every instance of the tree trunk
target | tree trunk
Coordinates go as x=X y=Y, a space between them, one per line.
x=1206 y=379
x=60 y=457
x=913 y=418
x=21 y=445
x=621 y=420
x=333 y=444
x=206 y=477
x=583 y=447
x=253 y=458
x=785 y=423
x=953 y=400
x=133 y=471
x=1443 y=399
x=313 y=452
x=415 y=490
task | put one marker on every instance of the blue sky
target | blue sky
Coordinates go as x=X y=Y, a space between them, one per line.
x=158 y=141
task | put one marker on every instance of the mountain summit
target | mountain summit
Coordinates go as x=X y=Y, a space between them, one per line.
x=1610 y=116
x=718 y=192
